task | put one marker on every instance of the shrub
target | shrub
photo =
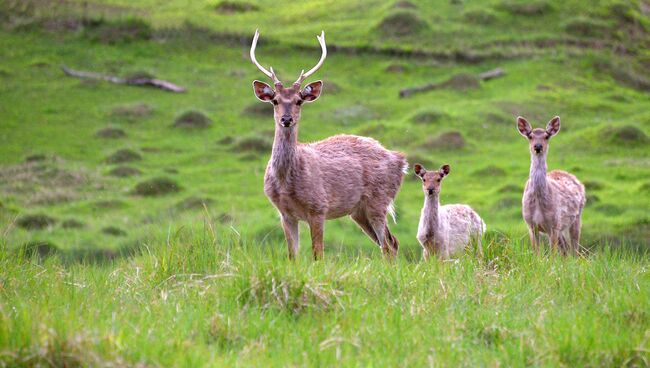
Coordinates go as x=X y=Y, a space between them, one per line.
x=156 y=187
x=402 y=22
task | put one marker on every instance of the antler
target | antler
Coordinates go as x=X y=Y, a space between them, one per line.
x=303 y=75
x=270 y=74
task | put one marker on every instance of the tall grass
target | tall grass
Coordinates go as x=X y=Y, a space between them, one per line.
x=200 y=298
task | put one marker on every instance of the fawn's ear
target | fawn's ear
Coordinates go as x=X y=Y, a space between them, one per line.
x=524 y=127
x=311 y=92
x=444 y=170
x=419 y=170
x=553 y=126
x=263 y=91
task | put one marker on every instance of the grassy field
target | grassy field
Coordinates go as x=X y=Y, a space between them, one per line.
x=127 y=240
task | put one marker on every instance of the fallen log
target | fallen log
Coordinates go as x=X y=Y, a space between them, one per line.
x=485 y=76
x=137 y=81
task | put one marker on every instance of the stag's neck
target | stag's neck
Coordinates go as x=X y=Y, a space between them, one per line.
x=430 y=213
x=537 y=175
x=285 y=146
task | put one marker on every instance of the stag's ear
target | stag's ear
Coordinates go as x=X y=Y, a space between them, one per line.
x=444 y=170
x=311 y=92
x=263 y=91
x=553 y=126
x=419 y=170
x=524 y=127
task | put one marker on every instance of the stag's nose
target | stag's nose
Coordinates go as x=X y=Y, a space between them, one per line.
x=538 y=148
x=430 y=191
x=286 y=120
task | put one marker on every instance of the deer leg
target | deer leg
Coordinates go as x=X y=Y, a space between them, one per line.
x=316 y=227
x=574 y=231
x=533 y=233
x=290 y=227
x=391 y=241
x=362 y=220
x=554 y=239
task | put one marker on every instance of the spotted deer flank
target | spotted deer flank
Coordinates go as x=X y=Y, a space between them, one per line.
x=552 y=202
x=446 y=230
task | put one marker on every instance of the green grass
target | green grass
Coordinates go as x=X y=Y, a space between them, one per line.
x=165 y=281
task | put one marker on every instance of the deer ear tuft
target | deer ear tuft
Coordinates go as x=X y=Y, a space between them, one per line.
x=444 y=170
x=524 y=127
x=263 y=91
x=419 y=170
x=312 y=91
x=553 y=126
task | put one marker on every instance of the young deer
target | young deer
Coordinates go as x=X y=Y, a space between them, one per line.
x=444 y=230
x=552 y=202
x=341 y=175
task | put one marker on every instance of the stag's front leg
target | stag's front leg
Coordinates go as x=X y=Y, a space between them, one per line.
x=316 y=227
x=290 y=227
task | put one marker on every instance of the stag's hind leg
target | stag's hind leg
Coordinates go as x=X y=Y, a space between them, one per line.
x=574 y=232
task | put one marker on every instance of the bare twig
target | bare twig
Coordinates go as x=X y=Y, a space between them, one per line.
x=139 y=81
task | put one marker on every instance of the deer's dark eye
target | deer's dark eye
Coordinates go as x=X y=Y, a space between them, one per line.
x=439 y=180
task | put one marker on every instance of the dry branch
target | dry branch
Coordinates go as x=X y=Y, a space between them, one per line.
x=139 y=81
x=485 y=76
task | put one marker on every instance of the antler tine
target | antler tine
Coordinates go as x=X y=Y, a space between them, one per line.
x=276 y=81
x=321 y=40
x=254 y=60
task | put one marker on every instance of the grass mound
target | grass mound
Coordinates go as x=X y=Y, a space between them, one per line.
x=586 y=27
x=429 y=117
x=37 y=157
x=331 y=88
x=480 y=16
x=39 y=248
x=230 y=7
x=35 y=222
x=626 y=72
x=593 y=185
x=591 y=199
x=192 y=120
x=124 y=171
x=490 y=171
x=463 y=82
x=511 y=188
x=645 y=187
x=625 y=135
x=156 y=187
x=193 y=203
x=404 y=4
x=72 y=224
x=113 y=231
x=133 y=112
x=395 y=68
x=254 y=143
x=445 y=141
x=118 y=31
x=122 y=156
x=529 y=8
x=507 y=202
x=111 y=133
x=402 y=22
x=259 y=109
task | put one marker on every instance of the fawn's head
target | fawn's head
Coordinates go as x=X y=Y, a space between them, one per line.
x=287 y=101
x=538 y=138
x=431 y=180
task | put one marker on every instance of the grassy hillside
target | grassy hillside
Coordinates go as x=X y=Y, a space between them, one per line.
x=100 y=187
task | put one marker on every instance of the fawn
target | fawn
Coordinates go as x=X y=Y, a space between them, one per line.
x=552 y=202
x=444 y=230
x=339 y=176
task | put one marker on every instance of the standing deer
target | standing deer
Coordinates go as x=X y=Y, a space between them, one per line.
x=444 y=230
x=553 y=201
x=341 y=175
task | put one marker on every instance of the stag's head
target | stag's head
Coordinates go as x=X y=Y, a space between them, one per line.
x=431 y=180
x=287 y=100
x=538 y=138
